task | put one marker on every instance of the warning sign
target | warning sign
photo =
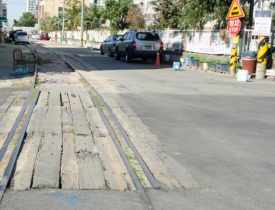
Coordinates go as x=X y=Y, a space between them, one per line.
x=235 y=11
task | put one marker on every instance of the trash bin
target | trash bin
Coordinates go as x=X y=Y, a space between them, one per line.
x=187 y=61
x=249 y=64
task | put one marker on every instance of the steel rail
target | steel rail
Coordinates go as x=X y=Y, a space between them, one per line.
x=15 y=125
x=133 y=175
x=7 y=175
x=144 y=167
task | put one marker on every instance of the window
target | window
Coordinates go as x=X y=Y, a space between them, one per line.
x=22 y=33
x=60 y=9
x=125 y=36
x=128 y=37
x=117 y=37
x=147 y=36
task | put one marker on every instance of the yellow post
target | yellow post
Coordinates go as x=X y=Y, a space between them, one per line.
x=233 y=58
x=262 y=58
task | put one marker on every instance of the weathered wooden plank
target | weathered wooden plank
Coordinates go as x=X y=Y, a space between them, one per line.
x=154 y=163
x=48 y=165
x=81 y=126
x=115 y=168
x=96 y=123
x=186 y=179
x=25 y=163
x=90 y=173
x=84 y=143
x=65 y=101
x=86 y=100
x=69 y=168
x=15 y=93
x=67 y=120
x=43 y=99
x=9 y=119
x=75 y=101
x=54 y=99
x=37 y=121
x=4 y=107
x=21 y=98
x=54 y=121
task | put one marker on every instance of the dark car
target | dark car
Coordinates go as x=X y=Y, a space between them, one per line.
x=109 y=45
x=139 y=44
x=44 y=36
x=12 y=34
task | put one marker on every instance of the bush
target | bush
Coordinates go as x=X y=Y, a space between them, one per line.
x=196 y=56
x=238 y=65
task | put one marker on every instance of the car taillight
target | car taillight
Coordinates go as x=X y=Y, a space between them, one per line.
x=28 y=37
x=133 y=45
x=161 y=46
x=16 y=37
x=114 y=45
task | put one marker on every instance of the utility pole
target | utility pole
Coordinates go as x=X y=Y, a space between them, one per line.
x=63 y=26
x=262 y=52
x=82 y=23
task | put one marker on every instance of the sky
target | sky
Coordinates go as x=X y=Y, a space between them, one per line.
x=15 y=9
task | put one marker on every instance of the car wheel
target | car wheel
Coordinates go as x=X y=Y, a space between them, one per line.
x=117 y=56
x=144 y=59
x=128 y=57
x=15 y=43
x=110 y=53
x=101 y=51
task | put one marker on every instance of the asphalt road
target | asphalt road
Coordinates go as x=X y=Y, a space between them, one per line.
x=221 y=130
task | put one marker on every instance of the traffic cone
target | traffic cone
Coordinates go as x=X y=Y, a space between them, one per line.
x=157 y=63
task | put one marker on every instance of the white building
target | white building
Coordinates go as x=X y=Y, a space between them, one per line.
x=38 y=2
x=31 y=6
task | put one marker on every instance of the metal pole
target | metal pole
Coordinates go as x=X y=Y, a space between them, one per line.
x=262 y=51
x=251 y=13
x=63 y=26
x=82 y=23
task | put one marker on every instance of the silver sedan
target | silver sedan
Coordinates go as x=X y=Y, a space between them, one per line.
x=109 y=45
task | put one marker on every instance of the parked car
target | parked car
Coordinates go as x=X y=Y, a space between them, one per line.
x=21 y=37
x=139 y=44
x=12 y=34
x=34 y=36
x=109 y=45
x=43 y=36
x=37 y=36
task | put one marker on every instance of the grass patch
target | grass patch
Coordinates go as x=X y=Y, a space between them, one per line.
x=74 y=141
x=84 y=83
x=5 y=168
x=85 y=110
x=118 y=134
x=71 y=129
x=40 y=146
x=37 y=82
x=32 y=97
x=102 y=165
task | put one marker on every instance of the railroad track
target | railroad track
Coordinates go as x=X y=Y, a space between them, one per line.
x=10 y=168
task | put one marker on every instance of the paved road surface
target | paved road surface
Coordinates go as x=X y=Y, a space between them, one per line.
x=221 y=130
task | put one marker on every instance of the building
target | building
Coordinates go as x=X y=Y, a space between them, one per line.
x=31 y=6
x=148 y=9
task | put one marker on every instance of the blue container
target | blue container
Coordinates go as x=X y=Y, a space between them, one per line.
x=192 y=59
x=176 y=66
x=187 y=61
x=218 y=67
x=224 y=68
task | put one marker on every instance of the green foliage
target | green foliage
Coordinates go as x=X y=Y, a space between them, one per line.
x=116 y=12
x=28 y=20
x=52 y=23
x=93 y=17
x=73 y=14
x=169 y=13
x=196 y=56
x=238 y=65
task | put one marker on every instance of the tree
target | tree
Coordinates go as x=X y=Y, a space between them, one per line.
x=135 y=17
x=28 y=19
x=116 y=12
x=92 y=18
x=169 y=13
x=73 y=12
x=52 y=23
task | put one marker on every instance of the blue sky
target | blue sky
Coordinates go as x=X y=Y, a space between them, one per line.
x=15 y=9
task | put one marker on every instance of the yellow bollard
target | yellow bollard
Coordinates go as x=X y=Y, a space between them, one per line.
x=233 y=58
x=262 y=58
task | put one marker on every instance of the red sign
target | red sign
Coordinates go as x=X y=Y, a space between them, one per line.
x=234 y=26
x=4 y=11
x=235 y=11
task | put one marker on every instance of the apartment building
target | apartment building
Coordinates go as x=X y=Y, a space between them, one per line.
x=31 y=6
x=148 y=9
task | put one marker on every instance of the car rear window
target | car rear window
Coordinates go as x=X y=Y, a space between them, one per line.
x=22 y=33
x=45 y=34
x=147 y=36
x=117 y=37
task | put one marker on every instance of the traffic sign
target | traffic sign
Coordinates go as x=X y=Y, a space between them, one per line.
x=234 y=26
x=235 y=11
